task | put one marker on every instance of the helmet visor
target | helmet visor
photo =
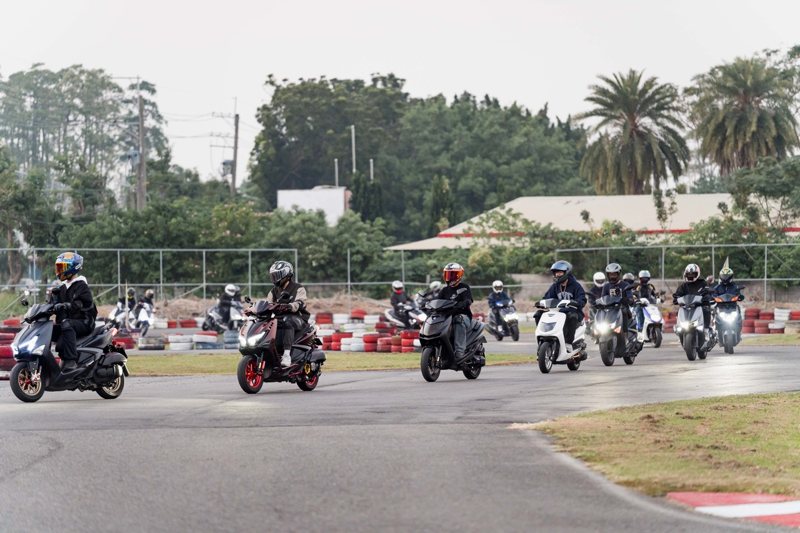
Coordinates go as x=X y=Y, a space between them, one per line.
x=276 y=276
x=61 y=268
x=691 y=276
x=450 y=276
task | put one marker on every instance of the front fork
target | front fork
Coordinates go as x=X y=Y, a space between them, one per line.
x=35 y=369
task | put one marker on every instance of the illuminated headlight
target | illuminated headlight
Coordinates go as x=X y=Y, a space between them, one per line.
x=728 y=317
x=687 y=325
x=512 y=316
x=242 y=341
x=423 y=317
x=603 y=327
x=252 y=341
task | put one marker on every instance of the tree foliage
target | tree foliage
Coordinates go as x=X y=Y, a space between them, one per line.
x=640 y=144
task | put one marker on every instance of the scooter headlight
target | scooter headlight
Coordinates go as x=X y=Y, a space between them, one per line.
x=548 y=326
x=252 y=341
x=728 y=317
x=603 y=327
x=242 y=341
x=511 y=316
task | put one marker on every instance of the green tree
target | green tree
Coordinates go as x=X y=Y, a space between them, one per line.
x=640 y=145
x=742 y=112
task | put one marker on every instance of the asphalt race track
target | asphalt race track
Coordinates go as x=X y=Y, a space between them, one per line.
x=366 y=451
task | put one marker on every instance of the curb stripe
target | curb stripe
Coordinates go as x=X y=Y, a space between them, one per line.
x=752 y=509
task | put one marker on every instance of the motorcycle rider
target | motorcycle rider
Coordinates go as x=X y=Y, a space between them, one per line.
x=696 y=285
x=498 y=299
x=727 y=286
x=710 y=281
x=643 y=289
x=431 y=293
x=75 y=309
x=149 y=297
x=224 y=303
x=291 y=299
x=399 y=300
x=129 y=301
x=454 y=289
x=616 y=286
x=566 y=287
x=629 y=278
x=596 y=290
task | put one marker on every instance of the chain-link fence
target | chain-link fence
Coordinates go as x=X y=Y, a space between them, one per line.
x=771 y=272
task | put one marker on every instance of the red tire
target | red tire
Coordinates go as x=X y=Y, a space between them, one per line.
x=370 y=347
x=396 y=348
x=407 y=349
x=405 y=343
x=336 y=346
x=397 y=340
x=750 y=329
x=5 y=351
x=762 y=331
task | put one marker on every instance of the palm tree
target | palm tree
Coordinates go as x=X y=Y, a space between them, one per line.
x=639 y=144
x=742 y=112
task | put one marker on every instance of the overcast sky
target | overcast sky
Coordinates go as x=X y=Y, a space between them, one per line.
x=202 y=55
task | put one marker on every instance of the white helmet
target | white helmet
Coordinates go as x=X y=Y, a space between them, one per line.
x=397 y=285
x=435 y=285
x=599 y=279
x=230 y=289
x=691 y=272
x=497 y=286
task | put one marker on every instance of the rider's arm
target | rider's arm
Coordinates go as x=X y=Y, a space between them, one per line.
x=299 y=300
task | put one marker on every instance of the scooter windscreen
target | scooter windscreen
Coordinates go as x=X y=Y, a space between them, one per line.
x=608 y=301
x=32 y=341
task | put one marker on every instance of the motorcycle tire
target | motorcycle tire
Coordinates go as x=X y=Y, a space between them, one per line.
x=515 y=333
x=472 y=371
x=688 y=346
x=249 y=379
x=728 y=346
x=112 y=390
x=574 y=365
x=629 y=359
x=607 y=353
x=702 y=354
x=544 y=356
x=498 y=337
x=657 y=337
x=309 y=384
x=20 y=386
x=427 y=365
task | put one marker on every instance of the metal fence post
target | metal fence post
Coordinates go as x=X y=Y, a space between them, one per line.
x=663 y=266
x=349 y=296
x=296 y=267
x=402 y=266
x=34 y=276
x=250 y=273
x=161 y=273
x=119 y=275
x=204 y=274
x=765 y=273
x=713 y=260
x=608 y=256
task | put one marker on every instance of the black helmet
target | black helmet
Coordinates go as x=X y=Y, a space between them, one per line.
x=280 y=271
x=131 y=292
x=613 y=272
x=726 y=275
x=561 y=266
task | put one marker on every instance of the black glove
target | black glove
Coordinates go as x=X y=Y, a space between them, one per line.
x=64 y=306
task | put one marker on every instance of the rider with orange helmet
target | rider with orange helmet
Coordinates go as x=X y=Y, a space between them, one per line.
x=455 y=289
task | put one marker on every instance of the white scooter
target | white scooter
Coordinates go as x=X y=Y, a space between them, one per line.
x=550 y=337
x=416 y=316
x=145 y=317
x=123 y=317
x=652 y=322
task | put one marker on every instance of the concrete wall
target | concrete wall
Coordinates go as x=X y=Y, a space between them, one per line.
x=333 y=201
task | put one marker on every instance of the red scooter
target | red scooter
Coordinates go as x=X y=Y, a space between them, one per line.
x=261 y=360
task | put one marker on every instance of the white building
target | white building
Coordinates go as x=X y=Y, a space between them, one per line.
x=333 y=201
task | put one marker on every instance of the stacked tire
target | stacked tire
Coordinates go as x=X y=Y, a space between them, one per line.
x=751 y=315
x=407 y=339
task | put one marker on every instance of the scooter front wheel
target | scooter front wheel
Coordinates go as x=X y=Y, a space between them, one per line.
x=607 y=352
x=688 y=346
x=515 y=332
x=23 y=385
x=657 y=337
x=544 y=357
x=247 y=373
x=427 y=365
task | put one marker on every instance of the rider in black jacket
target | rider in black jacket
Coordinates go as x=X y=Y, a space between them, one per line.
x=75 y=309
x=615 y=286
x=694 y=284
x=460 y=292
x=566 y=287
x=291 y=299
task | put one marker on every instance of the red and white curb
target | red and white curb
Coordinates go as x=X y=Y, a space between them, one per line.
x=768 y=508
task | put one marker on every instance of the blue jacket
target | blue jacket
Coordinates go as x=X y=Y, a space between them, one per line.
x=573 y=291
x=727 y=288
x=496 y=297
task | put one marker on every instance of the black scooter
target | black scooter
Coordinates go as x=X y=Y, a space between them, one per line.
x=729 y=320
x=608 y=329
x=436 y=339
x=101 y=366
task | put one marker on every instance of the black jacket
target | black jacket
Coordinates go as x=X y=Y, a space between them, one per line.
x=690 y=287
x=620 y=288
x=645 y=291
x=495 y=297
x=593 y=294
x=398 y=299
x=77 y=294
x=728 y=288
x=462 y=294
x=572 y=291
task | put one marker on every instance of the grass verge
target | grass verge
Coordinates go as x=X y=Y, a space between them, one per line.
x=735 y=443
x=785 y=339
x=217 y=363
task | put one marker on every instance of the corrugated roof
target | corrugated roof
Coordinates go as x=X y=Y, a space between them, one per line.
x=636 y=212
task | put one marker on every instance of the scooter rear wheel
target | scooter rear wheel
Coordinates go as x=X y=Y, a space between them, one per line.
x=472 y=372
x=574 y=365
x=657 y=337
x=113 y=389
x=515 y=333
x=22 y=385
x=309 y=384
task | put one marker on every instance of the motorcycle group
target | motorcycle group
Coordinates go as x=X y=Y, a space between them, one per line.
x=278 y=343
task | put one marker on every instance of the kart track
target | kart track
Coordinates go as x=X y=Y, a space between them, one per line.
x=366 y=451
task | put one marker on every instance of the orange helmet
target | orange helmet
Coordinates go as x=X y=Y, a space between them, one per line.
x=452 y=274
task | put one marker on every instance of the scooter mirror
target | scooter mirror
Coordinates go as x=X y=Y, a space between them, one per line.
x=248 y=300
x=25 y=302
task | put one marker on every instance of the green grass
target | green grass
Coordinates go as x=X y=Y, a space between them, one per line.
x=217 y=363
x=785 y=339
x=736 y=444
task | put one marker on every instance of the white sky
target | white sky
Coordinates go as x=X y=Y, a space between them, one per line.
x=201 y=55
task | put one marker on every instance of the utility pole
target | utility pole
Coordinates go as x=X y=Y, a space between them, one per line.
x=336 y=171
x=353 y=144
x=141 y=182
x=235 y=152
x=371 y=170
